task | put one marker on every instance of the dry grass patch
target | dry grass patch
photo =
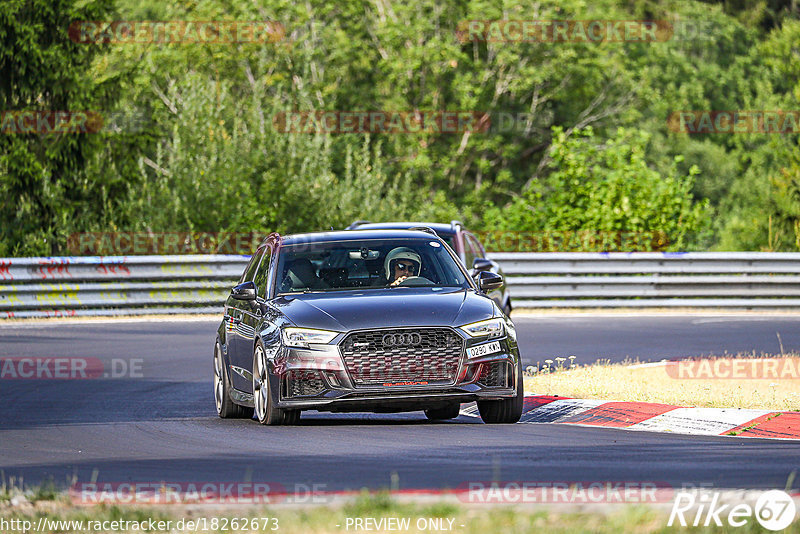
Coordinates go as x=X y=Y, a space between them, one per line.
x=714 y=382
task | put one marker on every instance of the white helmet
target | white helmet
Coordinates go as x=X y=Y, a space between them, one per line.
x=401 y=253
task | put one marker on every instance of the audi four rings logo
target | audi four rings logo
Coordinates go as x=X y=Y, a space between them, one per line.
x=393 y=340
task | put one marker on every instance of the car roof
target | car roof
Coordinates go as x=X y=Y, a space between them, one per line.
x=353 y=235
x=439 y=228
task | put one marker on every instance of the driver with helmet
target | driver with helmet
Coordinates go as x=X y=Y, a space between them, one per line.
x=401 y=263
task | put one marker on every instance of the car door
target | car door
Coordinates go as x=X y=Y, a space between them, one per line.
x=240 y=353
x=252 y=313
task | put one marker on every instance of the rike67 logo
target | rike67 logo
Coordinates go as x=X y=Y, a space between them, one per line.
x=773 y=510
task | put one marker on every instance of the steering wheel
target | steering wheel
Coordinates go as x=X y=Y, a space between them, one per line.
x=415 y=281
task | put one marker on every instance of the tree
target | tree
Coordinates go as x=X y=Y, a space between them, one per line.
x=606 y=188
x=43 y=184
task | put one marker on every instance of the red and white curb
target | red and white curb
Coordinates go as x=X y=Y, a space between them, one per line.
x=657 y=417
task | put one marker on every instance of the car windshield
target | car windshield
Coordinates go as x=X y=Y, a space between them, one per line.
x=366 y=264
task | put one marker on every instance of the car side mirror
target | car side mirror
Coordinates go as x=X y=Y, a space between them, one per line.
x=488 y=281
x=244 y=291
x=481 y=264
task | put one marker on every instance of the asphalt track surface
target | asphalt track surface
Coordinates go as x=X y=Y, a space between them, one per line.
x=161 y=426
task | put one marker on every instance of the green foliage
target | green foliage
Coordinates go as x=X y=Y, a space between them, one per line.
x=590 y=149
x=222 y=155
x=43 y=183
x=607 y=188
x=761 y=211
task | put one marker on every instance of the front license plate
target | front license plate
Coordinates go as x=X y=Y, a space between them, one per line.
x=483 y=350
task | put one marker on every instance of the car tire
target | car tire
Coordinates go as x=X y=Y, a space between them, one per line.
x=264 y=407
x=504 y=411
x=448 y=412
x=226 y=408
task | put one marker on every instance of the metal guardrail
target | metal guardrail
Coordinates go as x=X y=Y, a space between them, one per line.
x=116 y=285
x=652 y=279
x=126 y=285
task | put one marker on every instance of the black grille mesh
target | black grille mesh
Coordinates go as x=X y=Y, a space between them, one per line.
x=303 y=383
x=494 y=374
x=434 y=359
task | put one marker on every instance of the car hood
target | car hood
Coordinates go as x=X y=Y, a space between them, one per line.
x=354 y=310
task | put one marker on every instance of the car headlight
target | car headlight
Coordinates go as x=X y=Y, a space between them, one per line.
x=301 y=337
x=489 y=327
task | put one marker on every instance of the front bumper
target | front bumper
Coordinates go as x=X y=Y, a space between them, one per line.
x=334 y=389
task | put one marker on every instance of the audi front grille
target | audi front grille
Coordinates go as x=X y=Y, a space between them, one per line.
x=419 y=356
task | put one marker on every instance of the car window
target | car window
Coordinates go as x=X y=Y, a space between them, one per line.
x=365 y=264
x=470 y=251
x=250 y=270
x=262 y=274
x=477 y=249
x=480 y=252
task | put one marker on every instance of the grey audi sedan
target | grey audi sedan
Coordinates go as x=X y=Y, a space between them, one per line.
x=381 y=321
